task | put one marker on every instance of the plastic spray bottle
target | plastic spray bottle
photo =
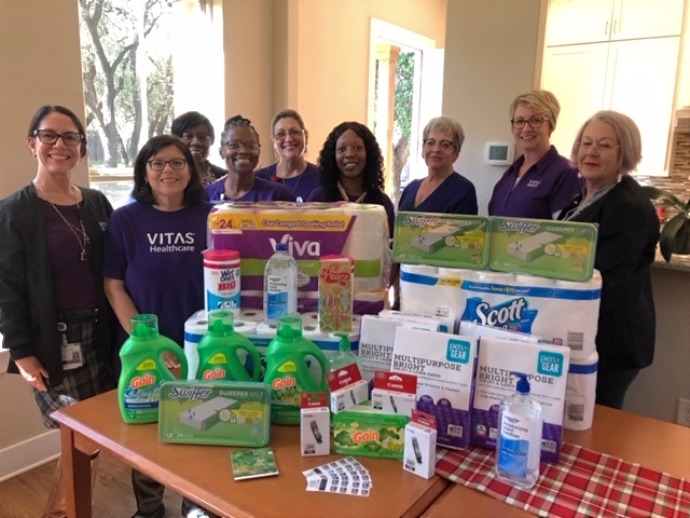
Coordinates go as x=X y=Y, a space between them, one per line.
x=518 y=446
x=143 y=369
x=223 y=352
x=288 y=373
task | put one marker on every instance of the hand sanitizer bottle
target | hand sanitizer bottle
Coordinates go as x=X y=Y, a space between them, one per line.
x=518 y=447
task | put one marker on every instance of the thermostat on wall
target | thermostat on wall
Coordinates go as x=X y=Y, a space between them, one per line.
x=498 y=153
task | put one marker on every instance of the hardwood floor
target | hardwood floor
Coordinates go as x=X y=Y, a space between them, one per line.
x=25 y=496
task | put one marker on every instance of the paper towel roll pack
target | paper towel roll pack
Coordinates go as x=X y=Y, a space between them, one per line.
x=561 y=312
x=311 y=230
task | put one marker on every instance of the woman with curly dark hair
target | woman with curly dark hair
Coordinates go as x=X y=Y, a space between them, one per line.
x=351 y=166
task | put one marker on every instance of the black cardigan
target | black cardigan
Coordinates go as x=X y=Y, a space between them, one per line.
x=626 y=245
x=28 y=316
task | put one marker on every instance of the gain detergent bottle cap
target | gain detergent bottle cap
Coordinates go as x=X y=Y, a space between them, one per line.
x=220 y=323
x=144 y=327
x=289 y=329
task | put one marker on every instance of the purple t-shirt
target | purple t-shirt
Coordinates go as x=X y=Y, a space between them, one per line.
x=301 y=186
x=158 y=255
x=548 y=187
x=263 y=190
x=320 y=194
x=455 y=195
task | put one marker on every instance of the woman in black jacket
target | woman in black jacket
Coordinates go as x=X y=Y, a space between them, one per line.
x=54 y=316
x=607 y=148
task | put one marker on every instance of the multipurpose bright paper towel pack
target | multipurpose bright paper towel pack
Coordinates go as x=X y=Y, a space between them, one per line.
x=310 y=230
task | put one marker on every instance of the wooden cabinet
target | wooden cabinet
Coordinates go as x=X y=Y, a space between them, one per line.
x=615 y=54
x=588 y=21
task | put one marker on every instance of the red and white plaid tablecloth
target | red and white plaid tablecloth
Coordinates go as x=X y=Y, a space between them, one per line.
x=584 y=483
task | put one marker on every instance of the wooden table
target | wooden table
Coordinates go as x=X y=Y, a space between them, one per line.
x=634 y=438
x=204 y=473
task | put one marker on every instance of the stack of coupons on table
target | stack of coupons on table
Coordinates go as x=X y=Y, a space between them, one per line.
x=344 y=476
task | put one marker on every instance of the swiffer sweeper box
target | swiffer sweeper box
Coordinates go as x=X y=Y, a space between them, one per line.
x=546 y=367
x=444 y=366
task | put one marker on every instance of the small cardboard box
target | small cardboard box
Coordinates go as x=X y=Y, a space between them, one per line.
x=457 y=241
x=556 y=249
x=362 y=431
x=227 y=413
x=347 y=388
x=394 y=393
x=420 y=445
x=315 y=425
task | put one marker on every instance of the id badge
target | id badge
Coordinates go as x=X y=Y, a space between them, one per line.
x=72 y=356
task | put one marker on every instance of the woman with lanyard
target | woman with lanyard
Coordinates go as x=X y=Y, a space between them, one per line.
x=54 y=316
x=351 y=166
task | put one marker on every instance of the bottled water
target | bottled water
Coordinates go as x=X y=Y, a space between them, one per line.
x=280 y=285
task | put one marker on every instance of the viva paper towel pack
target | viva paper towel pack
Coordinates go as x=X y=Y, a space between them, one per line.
x=310 y=230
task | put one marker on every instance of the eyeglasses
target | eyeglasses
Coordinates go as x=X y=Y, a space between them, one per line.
x=293 y=132
x=587 y=145
x=175 y=163
x=234 y=145
x=70 y=138
x=534 y=122
x=445 y=145
x=201 y=137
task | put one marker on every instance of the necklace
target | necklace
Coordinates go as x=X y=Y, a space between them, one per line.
x=360 y=199
x=79 y=232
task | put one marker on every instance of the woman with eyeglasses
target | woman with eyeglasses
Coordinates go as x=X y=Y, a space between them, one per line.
x=153 y=261
x=290 y=137
x=54 y=316
x=607 y=148
x=240 y=148
x=195 y=130
x=443 y=189
x=540 y=182
x=351 y=165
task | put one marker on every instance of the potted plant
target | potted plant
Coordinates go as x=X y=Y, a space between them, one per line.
x=675 y=235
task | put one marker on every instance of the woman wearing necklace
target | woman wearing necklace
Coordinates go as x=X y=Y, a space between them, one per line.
x=351 y=166
x=196 y=131
x=607 y=148
x=240 y=148
x=54 y=315
x=290 y=137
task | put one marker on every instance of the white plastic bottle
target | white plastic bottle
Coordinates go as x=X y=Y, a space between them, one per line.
x=280 y=285
x=518 y=445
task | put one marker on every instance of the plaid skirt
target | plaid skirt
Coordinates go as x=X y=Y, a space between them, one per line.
x=92 y=378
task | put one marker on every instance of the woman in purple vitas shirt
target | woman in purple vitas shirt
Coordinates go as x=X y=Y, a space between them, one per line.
x=290 y=138
x=240 y=148
x=540 y=183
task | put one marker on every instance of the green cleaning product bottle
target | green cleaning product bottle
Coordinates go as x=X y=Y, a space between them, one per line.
x=143 y=370
x=288 y=372
x=344 y=356
x=223 y=352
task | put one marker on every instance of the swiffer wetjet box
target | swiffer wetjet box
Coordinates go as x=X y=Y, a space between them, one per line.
x=556 y=249
x=228 y=413
x=458 y=241
x=546 y=367
x=315 y=424
x=444 y=366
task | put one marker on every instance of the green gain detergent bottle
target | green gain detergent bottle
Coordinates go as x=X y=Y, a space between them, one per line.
x=224 y=353
x=143 y=370
x=288 y=372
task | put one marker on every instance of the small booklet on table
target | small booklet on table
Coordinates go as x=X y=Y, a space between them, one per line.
x=253 y=463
